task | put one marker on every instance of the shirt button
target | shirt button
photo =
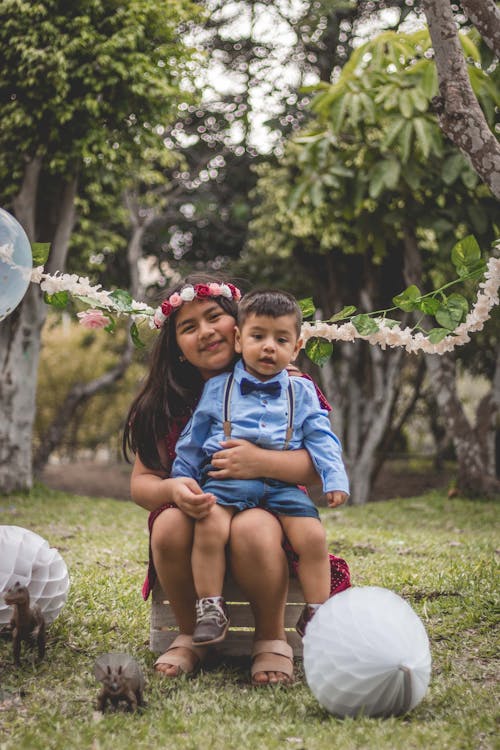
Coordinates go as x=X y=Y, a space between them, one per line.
x=264 y=401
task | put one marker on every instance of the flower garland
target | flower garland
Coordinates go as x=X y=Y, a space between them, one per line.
x=394 y=335
x=386 y=335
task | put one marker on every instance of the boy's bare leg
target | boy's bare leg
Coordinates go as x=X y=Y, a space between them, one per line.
x=208 y=558
x=308 y=539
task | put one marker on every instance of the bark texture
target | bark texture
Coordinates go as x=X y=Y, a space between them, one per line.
x=474 y=477
x=20 y=337
x=485 y=16
x=457 y=108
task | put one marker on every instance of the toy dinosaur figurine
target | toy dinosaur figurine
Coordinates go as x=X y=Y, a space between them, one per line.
x=28 y=623
x=122 y=680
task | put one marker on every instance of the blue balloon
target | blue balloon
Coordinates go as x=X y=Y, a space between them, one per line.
x=16 y=263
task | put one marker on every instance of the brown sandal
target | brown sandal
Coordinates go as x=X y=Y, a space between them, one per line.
x=188 y=664
x=272 y=656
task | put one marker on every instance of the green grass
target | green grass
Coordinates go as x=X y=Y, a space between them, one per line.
x=438 y=553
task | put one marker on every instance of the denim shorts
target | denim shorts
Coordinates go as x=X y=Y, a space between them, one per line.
x=278 y=497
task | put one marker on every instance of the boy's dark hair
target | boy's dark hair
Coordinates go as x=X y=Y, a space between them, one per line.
x=271 y=302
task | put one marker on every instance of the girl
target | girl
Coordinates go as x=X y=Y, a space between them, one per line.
x=196 y=342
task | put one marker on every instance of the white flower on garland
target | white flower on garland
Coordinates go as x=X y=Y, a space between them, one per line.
x=385 y=336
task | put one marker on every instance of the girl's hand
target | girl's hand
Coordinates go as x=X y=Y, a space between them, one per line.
x=190 y=498
x=335 y=498
x=238 y=459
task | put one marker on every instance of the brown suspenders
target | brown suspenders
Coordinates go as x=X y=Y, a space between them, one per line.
x=226 y=405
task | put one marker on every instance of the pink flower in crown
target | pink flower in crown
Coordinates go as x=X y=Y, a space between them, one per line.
x=235 y=292
x=202 y=291
x=214 y=289
x=175 y=300
x=93 y=319
x=166 y=308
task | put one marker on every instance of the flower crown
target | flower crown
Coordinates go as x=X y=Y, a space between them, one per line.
x=189 y=293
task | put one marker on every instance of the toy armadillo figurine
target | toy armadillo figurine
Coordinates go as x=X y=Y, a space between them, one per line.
x=28 y=623
x=122 y=680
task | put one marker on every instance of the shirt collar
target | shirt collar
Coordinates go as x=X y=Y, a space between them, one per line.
x=240 y=372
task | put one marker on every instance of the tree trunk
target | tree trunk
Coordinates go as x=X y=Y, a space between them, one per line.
x=363 y=389
x=19 y=352
x=457 y=108
x=485 y=16
x=474 y=477
x=20 y=342
x=80 y=393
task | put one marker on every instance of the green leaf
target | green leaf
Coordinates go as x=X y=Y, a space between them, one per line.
x=392 y=132
x=452 y=168
x=59 y=300
x=377 y=181
x=111 y=327
x=436 y=335
x=466 y=252
x=390 y=323
x=40 y=252
x=429 y=80
x=319 y=350
x=296 y=195
x=123 y=300
x=452 y=312
x=422 y=133
x=405 y=141
x=407 y=300
x=307 y=307
x=134 y=334
x=406 y=104
x=429 y=305
x=346 y=312
x=364 y=324
x=391 y=174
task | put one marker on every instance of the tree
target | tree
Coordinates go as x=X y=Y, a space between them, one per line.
x=460 y=115
x=83 y=87
x=365 y=201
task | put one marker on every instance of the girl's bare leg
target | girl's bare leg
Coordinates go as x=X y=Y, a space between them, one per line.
x=171 y=545
x=259 y=565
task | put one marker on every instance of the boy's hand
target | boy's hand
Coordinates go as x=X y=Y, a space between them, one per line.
x=335 y=498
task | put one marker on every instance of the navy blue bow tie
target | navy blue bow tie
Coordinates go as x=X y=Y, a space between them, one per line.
x=272 y=389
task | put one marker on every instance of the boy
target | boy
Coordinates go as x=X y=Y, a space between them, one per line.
x=259 y=402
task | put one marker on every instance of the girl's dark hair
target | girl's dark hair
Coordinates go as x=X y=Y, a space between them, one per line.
x=171 y=388
x=270 y=302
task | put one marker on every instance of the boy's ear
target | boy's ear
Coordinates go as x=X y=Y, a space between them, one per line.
x=237 y=340
x=297 y=348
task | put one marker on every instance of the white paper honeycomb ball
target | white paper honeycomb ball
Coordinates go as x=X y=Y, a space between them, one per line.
x=26 y=557
x=367 y=652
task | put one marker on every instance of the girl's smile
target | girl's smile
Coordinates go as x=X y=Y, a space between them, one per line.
x=205 y=336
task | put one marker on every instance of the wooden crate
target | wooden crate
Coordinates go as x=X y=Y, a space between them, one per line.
x=239 y=639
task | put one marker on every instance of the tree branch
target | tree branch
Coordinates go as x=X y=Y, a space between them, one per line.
x=485 y=16
x=457 y=108
x=60 y=243
x=25 y=201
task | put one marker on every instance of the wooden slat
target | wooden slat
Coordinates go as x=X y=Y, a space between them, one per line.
x=237 y=642
x=240 y=636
